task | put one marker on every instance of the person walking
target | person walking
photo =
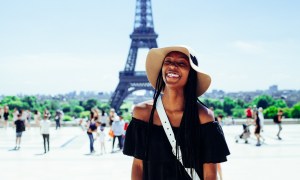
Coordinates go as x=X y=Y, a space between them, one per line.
x=57 y=119
x=278 y=120
x=45 y=131
x=261 y=118
x=1 y=114
x=101 y=138
x=249 y=115
x=257 y=128
x=118 y=132
x=20 y=128
x=5 y=116
x=37 y=118
x=103 y=118
x=112 y=116
x=175 y=131
x=91 y=128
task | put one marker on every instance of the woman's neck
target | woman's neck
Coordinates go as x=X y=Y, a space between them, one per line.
x=173 y=100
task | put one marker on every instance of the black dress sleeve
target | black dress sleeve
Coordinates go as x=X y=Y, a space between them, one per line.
x=135 y=139
x=214 y=146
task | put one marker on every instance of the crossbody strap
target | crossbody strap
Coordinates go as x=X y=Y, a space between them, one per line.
x=170 y=135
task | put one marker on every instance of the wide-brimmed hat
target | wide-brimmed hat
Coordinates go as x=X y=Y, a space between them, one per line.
x=155 y=59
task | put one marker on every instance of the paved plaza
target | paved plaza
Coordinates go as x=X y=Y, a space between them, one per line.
x=68 y=158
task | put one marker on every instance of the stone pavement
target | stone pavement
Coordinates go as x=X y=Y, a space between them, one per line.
x=68 y=158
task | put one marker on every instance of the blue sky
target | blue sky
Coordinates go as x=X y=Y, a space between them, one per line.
x=59 y=46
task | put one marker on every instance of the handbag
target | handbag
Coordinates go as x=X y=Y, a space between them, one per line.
x=170 y=135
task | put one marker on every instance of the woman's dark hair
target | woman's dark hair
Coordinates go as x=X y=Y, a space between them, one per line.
x=189 y=127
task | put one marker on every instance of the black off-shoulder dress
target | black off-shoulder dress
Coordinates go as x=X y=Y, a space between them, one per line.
x=160 y=163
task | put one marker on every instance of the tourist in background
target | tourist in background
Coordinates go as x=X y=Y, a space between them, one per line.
x=5 y=116
x=91 y=128
x=103 y=118
x=249 y=115
x=118 y=132
x=278 y=120
x=45 y=131
x=15 y=114
x=257 y=128
x=37 y=118
x=1 y=114
x=101 y=137
x=261 y=118
x=19 y=124
x=112 y=116
x=28 y=118
x=57 y=119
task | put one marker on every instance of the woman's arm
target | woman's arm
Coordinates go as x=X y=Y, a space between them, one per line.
x=210 y=171
x=137 y=169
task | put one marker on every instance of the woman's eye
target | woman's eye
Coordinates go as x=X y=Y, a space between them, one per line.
x=167 y=63
x=182 y=64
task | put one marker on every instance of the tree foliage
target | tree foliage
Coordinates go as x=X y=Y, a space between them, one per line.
x=76 y=108
x=295 y=112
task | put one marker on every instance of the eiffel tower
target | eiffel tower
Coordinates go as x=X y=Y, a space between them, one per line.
x=143 y=36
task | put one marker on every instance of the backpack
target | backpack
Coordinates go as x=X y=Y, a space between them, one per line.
x=275 y=119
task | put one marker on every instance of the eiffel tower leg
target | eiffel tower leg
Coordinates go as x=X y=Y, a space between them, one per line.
x=119 y=95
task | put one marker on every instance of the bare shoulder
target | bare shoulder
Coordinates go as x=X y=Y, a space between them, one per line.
x=142 y=110
x=205 y=114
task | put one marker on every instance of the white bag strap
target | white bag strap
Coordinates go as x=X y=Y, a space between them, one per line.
x=170 y=135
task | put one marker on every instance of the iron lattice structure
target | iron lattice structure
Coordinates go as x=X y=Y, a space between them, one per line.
x=143 y=36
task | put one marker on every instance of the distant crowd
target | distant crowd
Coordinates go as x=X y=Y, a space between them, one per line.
x=94 y=126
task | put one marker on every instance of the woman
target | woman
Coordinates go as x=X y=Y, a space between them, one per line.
x=175 y=75
x=45 y=131
x=57 y=119
x=257 y=129
x=261 y=117
x=37 y=118
x=91 y=128
x=6 y=116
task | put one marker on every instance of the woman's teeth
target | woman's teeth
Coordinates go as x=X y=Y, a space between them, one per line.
x=172 y=75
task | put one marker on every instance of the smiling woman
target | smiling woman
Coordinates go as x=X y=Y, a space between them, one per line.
x=175 y=66
x=175 y=136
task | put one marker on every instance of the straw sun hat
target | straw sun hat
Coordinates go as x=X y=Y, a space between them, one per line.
x=155 y=59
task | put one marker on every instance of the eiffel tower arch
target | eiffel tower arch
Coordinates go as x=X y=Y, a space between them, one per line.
x=143 y=36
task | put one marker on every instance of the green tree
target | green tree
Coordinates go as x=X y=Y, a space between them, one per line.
x=240 y=103
x=31 y=101
x=89 y=104
x=85 y=114
x=218 y=112
x=78 y=109
x=287 y=112
x=263 y=101
x=228 y=105
x=66 y=108
x=280 y=103
x=67 y=118
x=270 y=112
x=216 y=104
x=238 y=112
x=296 y=111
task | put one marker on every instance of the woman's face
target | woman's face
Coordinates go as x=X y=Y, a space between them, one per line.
x=175 y=69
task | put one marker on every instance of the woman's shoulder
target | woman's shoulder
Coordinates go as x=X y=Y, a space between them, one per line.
x=142 y=110
x=205 y=115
